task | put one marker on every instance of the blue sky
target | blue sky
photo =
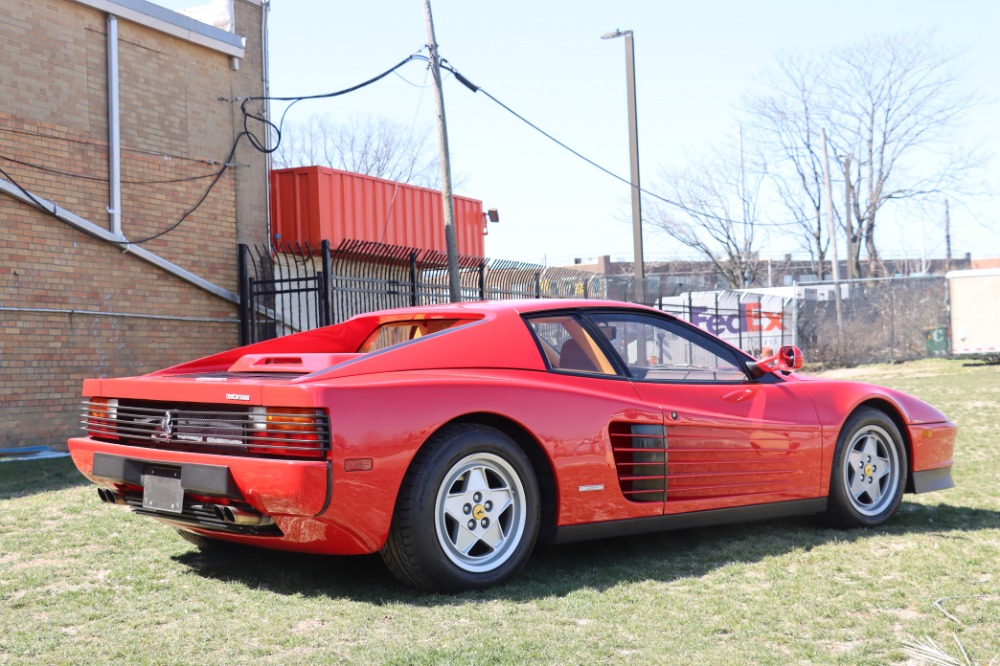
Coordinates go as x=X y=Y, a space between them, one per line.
x=694 y=62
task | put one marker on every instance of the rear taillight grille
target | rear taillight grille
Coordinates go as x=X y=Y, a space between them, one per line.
x=285 y=432
x=640 y=452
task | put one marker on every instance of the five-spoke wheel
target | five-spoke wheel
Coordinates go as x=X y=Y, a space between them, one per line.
x=480 y=512
x=869 y=471
x=467 y=514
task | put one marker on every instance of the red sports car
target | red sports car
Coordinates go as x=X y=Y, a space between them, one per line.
x=452 y=438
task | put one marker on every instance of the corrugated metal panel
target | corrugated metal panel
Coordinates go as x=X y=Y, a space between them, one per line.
x=312 y=204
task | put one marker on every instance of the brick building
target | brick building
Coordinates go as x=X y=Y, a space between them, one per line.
x=75 y=301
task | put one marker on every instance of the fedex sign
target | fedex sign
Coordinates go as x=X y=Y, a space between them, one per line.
x=749 y=319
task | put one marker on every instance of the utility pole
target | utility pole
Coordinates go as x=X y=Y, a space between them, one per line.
x=848 y=228
x=451 y=242
x=947 y=234
x=743 y=209
x=833 y=238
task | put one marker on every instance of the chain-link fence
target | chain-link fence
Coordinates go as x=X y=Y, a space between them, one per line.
x=872 y=320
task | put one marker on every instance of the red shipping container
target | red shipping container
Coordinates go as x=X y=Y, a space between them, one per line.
x=312 y=204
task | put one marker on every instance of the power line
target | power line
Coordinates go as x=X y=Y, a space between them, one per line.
x=257 y=143
x=474 y=88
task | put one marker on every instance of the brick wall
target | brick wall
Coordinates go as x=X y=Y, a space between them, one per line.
x=72 y=306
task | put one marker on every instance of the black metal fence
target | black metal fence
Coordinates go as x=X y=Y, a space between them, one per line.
x=288 y=288
x=283 y=289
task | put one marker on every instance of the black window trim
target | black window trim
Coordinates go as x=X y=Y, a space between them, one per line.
x=621 y=372
x=738 y=356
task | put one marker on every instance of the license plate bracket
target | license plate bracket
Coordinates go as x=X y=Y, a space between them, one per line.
x=162 y=489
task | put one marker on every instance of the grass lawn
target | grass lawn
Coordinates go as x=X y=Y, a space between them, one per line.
x=83 y=582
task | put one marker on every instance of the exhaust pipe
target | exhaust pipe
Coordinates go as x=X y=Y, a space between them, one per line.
x=111 y=496
x=235 y=516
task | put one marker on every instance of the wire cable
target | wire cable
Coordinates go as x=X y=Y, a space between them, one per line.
x=257 y=143
x=409 y=137
x=102 y=179
x=54 y=211
x=254 y=140
x=474 y=88
x=208 y=190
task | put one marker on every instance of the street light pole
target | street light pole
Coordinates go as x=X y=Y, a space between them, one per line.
x=633 y=142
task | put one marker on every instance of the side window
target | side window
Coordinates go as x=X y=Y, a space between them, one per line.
x=662 y=350
x=568 y=347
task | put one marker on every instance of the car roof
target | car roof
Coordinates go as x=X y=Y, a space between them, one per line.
x=520 y=306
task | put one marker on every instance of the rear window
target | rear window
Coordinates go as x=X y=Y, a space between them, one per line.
x=398 y=332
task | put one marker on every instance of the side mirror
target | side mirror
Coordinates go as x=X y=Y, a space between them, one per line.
x=789 y=357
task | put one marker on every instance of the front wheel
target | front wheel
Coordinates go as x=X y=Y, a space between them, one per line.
x=869 y=471
x=467 y=514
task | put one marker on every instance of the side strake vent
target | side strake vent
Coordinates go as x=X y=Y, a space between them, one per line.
x=282 y=432
x=641 y=459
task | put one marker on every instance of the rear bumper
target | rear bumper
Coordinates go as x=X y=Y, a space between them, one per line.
x=297 y=495
x=272 y=487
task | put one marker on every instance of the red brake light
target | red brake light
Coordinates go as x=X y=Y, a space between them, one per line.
x=102 y=415
x=289 y=431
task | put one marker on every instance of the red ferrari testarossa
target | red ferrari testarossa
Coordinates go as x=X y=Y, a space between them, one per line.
x=452 y=438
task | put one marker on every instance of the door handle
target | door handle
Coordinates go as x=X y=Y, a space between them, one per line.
x=739 y=395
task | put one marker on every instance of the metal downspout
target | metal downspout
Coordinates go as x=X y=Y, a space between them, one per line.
x=265 y=13
x=114 y=131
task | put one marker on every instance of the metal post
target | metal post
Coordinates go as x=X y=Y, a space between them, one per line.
x=326 y=317
x=414 y=294
x=451 y=242
x=795 y=313
x=633 y=143
x=245 y=305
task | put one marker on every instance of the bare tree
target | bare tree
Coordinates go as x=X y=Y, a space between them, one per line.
x=786 y=120
x=896 y=104
x=372 y=145
x=714 y=212
x=892 y=106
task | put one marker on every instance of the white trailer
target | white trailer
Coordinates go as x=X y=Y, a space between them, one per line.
x=975 y=312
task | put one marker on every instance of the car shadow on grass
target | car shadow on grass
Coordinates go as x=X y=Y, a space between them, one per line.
x=20 y=478
x=558 y=570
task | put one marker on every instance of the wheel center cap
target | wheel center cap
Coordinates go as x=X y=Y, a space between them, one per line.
x=869 y=470
x=478 y=512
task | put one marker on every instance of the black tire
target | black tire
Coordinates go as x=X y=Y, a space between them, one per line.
x=467 y=514
x=869 y=472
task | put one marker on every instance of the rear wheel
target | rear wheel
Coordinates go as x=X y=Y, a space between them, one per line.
x=467 y=514
x=869 y=471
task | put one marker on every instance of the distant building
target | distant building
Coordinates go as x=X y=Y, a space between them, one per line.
x=675 y=277
x=74 y=301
